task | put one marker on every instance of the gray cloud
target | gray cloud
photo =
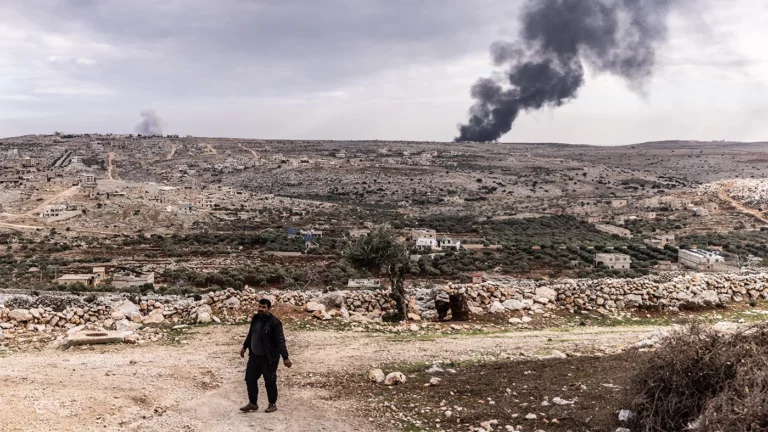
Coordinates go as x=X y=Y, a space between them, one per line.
x=239 y=47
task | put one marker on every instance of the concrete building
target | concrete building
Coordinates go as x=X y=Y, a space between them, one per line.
x=701 y=260
x=357 y=233
x=476 y=278
x=619 y=203
x=613 y=261
x=660 y=240
x=185 y=208
x=52 y=211
x=419 y=233
x=73 y=279
x=448 y=243
x=311 y=233
x=364 y=283
x=129 y=280
x=426 y=244
x=610 y=229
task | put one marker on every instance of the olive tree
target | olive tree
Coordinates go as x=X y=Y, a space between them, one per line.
x=380 y=250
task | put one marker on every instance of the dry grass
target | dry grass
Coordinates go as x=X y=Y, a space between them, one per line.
x=705 y=381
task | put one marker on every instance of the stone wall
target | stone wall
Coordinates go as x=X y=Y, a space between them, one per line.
x=670 y=291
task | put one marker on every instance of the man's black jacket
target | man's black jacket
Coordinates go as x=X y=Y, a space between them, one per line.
x=272 y=338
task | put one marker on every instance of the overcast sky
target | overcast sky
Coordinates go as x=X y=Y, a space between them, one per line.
x=352 y=69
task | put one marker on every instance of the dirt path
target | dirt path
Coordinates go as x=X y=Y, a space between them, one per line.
x=723 y=195
x=67 y=193
x=253 y=152
x=170 y=154
x=110 y=165
x=198 y=385
x=18 y=226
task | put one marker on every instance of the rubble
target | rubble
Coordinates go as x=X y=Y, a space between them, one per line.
x=669 y=291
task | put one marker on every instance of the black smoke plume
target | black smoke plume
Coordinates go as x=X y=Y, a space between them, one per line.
x=150 y=124
x=546 y=66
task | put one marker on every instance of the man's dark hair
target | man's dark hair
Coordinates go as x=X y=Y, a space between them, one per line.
x=266 y=302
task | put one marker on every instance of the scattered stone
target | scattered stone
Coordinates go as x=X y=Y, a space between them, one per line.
x=530 y=416
x=376 y=375
x=434 y=381
x=394 y=378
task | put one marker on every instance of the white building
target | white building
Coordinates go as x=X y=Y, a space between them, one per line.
x=448 y=243
x=613 y=261
x=426 y=243
x=52 y=211
x=364 y=283
x=701 y=260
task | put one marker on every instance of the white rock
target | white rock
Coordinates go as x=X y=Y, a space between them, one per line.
x=376 y=375
x=435 y=369
x=117 y=315
x=513 y=305
x=155 y=317
x=232 y=303
x=434 y=381
x=557 y=355
x=526 y=319
x=496 y=307
x=35 y=313
x=204 y=314
x=531 y=416
x=20 y=315
x=515 y=321
x=561 y=401
x=314 y=307
x=548 y=293
x=394 y=378
x=126 y=307
x=625 y=415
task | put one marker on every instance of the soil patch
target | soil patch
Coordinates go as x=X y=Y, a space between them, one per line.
x=590 y=391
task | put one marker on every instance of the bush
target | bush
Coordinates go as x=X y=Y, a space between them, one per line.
x=705 y=381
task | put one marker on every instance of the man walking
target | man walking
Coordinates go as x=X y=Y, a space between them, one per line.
x=266 y=344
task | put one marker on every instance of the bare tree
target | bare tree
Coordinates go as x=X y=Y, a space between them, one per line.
x=380 y=250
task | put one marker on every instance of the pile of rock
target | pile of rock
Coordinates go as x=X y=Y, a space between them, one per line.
x=669 y=291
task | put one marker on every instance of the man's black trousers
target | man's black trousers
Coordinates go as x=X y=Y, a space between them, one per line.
x=258 y=366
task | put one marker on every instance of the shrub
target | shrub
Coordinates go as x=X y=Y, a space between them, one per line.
x=705 y=381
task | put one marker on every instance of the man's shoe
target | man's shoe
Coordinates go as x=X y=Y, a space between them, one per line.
x=249 y=407
x=271 y=408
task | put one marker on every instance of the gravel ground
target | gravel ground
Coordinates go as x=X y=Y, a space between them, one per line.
x=196 y=384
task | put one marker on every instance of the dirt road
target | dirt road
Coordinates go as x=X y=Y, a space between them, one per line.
x=723 y=195
x=253 y=152
x=170 y=154
x=198 y=385
x=110 y=165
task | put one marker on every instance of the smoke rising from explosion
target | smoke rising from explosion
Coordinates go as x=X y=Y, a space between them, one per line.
x=546 y=66
x=150 y=124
